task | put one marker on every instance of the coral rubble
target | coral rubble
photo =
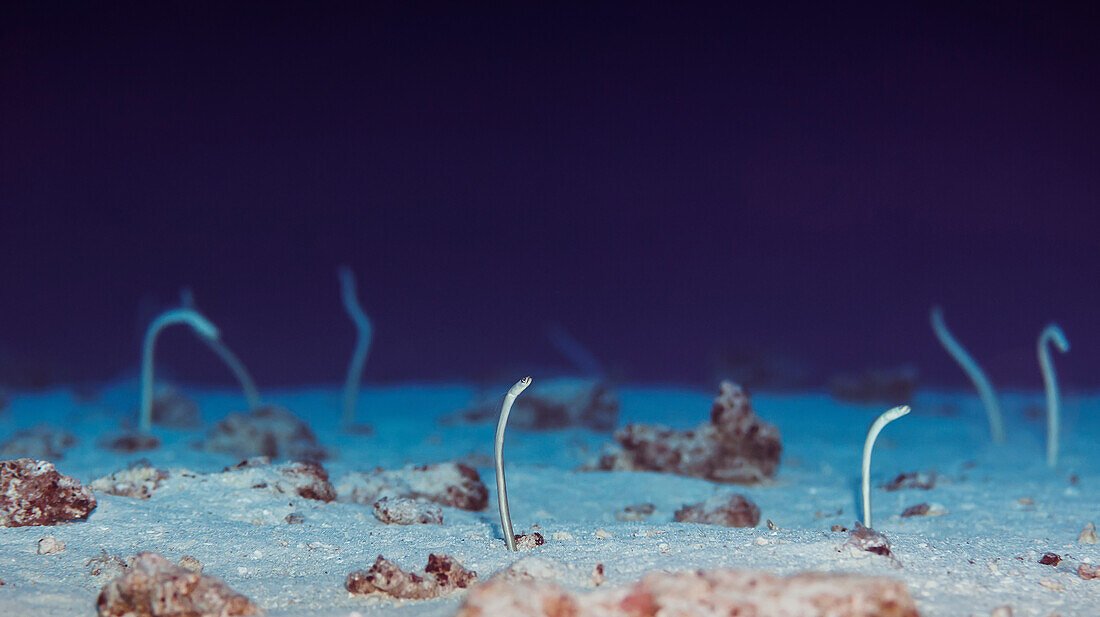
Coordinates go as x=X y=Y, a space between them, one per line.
x=448 y=484
x=34 y=493
x=529 y=540
x=735 y=446
x=443 y=575
x=306 y=479
x=137 y=481
x=923 y=480
x=725 y=510
x=405 y=511
x=866 y=540
x=154 y=587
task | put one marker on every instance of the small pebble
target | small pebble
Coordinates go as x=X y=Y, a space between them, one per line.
x=1052 y=584
x=50 y=546
x=1087 y=535
x=190 y=563
x=597 y=577
x=603 y=534
x=530 y=540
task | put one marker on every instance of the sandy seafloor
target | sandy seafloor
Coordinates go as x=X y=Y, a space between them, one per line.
x=982 y=554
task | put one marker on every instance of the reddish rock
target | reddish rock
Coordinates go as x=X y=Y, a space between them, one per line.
x=725 y=510
x=735 y=446
x=310 y=480
x=916 y=480
x=699 y=594
x=443 y=575
x=154 y=587
x=868 y=540
x=448 y=484
x=530 y=540
x=34 y=493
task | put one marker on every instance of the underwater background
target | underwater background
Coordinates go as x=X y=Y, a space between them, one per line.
x=689 y=193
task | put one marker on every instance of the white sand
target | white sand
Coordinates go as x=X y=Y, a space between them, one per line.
x=982 y=554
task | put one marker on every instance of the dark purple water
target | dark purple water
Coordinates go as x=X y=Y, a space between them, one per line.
x=674 y=187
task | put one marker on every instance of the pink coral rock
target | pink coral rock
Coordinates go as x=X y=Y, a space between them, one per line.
x=34 y=493
x=735 y=446
x=699 y=594
x=443 y=575
x=154 y=587
x=725 y=510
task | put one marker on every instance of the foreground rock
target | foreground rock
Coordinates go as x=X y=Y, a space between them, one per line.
x=699 y=594
x=735 y=446
x=34 y=493
x=553 y=404
x=154 y=587
x=443 y=575
x=448 y=484
x=266 y=431
x=724 y=510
